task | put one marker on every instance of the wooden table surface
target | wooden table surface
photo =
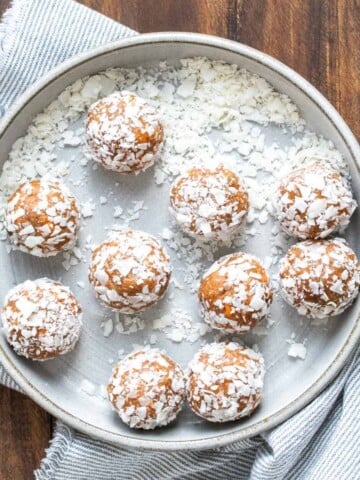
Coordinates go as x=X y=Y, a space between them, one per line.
x=319 y=39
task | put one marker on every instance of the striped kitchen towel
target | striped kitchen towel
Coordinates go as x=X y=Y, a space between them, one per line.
x=320 y=442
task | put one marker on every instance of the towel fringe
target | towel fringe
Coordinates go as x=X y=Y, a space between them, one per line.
x=58 y=447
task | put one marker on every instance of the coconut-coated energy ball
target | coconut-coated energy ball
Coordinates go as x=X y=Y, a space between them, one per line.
x=124 y=132
x=41 y=319
x=225 y=381
x=314 y=201
x=147 y=389
x=42 y=218
x=320 y=278
x=129 y=271
x=235 y=293
x=209 y=204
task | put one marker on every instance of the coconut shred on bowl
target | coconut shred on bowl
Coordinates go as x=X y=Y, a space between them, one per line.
x=198 y=116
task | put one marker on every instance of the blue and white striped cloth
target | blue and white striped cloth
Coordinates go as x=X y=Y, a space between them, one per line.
x=321 y=442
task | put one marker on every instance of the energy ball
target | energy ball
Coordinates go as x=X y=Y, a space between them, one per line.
x=235 y=293
x=129 y=271
x=42 y=218
x=314 y=201
x=123 y=132
x=209 y=204
x=41 y=319
x=320 y=278
x=225 y=382
x=147 y=389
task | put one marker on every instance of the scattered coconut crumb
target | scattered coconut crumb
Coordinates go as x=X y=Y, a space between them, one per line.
x=87 y=209
x=70 y=139
x=108 y=327
x=178 y=326
x=297 y=350
x=127 y=325
x=262 y=329
x=118 y=211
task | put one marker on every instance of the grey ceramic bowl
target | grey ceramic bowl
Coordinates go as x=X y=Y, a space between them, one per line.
x=55 y=385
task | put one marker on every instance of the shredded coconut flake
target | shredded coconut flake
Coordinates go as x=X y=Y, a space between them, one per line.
x=297 y=350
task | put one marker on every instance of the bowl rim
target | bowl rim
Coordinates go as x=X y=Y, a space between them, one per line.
x=221 y=439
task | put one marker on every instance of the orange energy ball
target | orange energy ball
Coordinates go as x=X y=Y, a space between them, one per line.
x=147 y=389
x=235 y=293
x=314 y=201
x=42 y=319
x=129 y=271
x=123 y=132
x=209 y=204
x=225 y=382
x=42 y=218
x=320 y=278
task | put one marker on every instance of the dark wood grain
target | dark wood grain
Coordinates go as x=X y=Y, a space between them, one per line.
x=318 y=38
x=25 y=430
